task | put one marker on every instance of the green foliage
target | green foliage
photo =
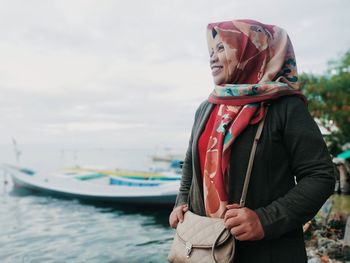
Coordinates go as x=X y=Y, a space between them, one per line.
x=329 y=99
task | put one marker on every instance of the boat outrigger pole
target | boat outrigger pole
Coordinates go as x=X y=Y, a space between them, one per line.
x=16 y=150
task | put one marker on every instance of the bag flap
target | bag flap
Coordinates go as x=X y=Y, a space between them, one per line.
x=201 y=231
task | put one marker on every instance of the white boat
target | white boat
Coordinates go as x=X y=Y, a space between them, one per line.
x=97 y=186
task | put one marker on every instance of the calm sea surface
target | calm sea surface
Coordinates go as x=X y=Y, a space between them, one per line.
x=35 y=228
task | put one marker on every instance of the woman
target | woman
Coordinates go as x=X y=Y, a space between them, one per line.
x=253 y=66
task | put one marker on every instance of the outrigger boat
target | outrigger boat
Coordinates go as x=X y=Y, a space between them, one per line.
x=101 y=185
x=135 y=175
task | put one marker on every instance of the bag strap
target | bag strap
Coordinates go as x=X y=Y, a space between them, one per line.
x=251 y=159
x=216 y=242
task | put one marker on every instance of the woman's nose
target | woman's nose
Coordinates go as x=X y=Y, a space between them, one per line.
x=213 y=58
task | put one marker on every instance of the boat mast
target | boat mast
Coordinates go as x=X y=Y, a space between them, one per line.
x=16 y=150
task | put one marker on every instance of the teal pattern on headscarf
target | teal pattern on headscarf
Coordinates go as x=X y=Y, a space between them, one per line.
x=236 y=90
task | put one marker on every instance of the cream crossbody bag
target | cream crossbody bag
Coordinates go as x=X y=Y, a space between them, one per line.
x=205 y=239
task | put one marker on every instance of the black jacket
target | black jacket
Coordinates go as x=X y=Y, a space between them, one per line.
x=292 y=177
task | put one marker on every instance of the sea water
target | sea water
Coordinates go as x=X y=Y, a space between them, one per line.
x=37 y=228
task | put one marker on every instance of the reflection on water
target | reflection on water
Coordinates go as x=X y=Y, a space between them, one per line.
x=35 y=228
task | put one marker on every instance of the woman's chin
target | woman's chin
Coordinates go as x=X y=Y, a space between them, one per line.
x=219 y=81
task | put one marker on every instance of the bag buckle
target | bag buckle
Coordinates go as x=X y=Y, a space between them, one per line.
x=188 y=249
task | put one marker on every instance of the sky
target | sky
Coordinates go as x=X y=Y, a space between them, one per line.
x=84 y=74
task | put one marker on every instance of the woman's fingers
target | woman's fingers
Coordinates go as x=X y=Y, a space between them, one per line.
x=172 y=219
x=232 y=206
x=231 y=213
x=185 y=208
x=237 y=231
x=233 y=222
x=181 y=211
x=177 y=215
x=244 y=223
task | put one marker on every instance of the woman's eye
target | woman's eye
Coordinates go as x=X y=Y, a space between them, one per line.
x=220 y=48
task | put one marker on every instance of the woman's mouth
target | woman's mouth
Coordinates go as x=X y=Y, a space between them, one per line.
x=215 y=70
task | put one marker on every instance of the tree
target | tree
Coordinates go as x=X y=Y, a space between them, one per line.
x=329 y=99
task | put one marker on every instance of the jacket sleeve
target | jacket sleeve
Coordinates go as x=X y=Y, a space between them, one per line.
x=187 y=171
x=311 y=165
x=186 y=179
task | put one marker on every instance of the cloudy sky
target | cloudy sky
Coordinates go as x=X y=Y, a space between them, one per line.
x=129 y=74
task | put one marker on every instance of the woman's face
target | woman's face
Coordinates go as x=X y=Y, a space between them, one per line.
x=221 y=67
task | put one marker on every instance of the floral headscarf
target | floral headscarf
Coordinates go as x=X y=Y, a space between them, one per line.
x=264 y=52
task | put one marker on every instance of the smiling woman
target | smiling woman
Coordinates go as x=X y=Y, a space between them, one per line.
x=253 y=67
x=222 y=60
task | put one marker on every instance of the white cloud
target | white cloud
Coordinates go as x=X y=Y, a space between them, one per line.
x=106 y=72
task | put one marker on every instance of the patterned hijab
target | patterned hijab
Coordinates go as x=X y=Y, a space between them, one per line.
x=260 y=66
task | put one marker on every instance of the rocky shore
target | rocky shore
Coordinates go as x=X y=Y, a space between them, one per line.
x=327 y=236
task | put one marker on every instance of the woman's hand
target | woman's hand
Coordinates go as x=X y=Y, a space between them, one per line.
x=243 y=223
x=177 y=215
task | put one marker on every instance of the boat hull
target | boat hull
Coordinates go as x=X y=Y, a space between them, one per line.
x=75 y=189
